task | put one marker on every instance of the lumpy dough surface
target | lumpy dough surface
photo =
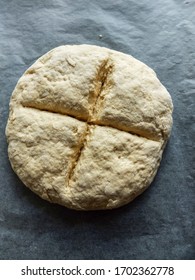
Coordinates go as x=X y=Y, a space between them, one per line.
x=87 y=127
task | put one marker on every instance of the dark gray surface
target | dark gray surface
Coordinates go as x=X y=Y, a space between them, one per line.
x=160 y=223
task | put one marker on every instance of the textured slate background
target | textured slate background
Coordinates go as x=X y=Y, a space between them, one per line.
x=160 y=223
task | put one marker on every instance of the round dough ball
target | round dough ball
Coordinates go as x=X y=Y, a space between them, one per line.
x=87 y=127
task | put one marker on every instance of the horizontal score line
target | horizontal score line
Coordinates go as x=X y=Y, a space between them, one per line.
x=93 y=122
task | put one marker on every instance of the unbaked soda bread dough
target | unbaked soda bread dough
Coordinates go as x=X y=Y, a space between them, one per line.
x=87 y=127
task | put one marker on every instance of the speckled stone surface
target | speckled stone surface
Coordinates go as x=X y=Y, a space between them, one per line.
x=160 y=223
